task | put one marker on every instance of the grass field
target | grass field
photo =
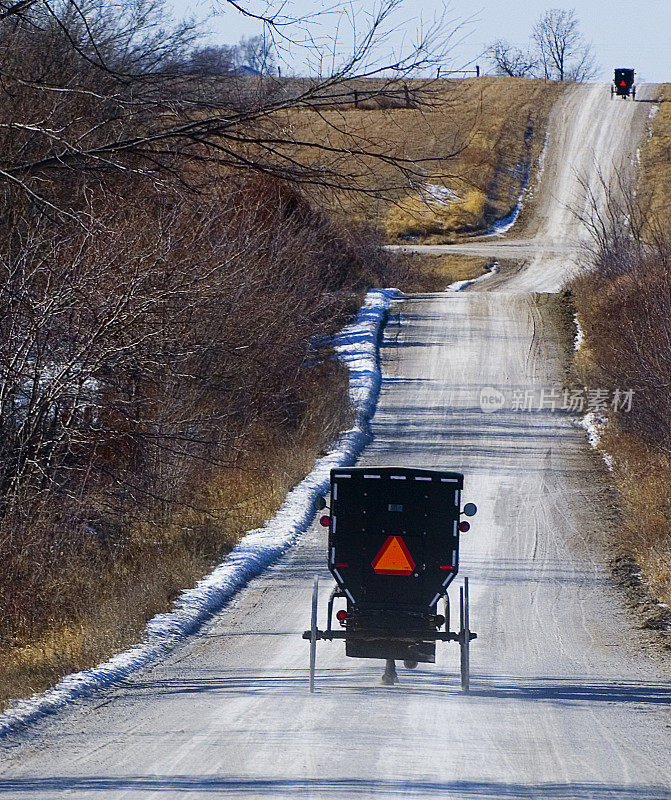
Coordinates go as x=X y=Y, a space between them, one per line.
x=655 y=186
x=434 y=273
x=468 y=152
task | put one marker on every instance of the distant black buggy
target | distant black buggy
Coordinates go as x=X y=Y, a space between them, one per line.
x=623 y=84
x=393 y=549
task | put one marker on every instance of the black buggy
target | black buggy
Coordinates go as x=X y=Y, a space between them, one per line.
x=393 y=549
x=623 y=84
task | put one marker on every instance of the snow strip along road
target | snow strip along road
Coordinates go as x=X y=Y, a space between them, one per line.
x=357 y=346
x=564 y=705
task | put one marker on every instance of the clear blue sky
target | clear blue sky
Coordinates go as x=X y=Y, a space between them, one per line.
x=636 y=34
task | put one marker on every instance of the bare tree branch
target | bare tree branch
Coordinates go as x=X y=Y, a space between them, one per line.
x=510 y=60
x=15 y=8
x=109 y=98
x=563 y=51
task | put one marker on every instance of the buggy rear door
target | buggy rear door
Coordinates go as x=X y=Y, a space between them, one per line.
x=393 y=537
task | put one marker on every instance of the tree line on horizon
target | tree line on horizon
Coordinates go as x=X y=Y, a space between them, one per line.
x=253 y=54
x=557 y=50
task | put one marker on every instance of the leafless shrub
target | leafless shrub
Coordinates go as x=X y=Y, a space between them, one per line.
x=624 y=302
x=136 y=356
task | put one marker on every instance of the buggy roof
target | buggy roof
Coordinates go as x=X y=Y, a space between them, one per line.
x=454 y=479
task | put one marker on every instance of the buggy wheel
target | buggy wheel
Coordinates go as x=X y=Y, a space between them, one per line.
x=313 y=632
x=464 y=638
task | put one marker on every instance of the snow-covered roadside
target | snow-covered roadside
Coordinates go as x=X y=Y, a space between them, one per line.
x=594 y=425
x=357 y=347
x=459 y=286
x=503 y=225
x=593 y=422
x=654 y=110
x=579 y=338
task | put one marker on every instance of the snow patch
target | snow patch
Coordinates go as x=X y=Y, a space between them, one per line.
x=654 y=110
x=435 y=193
x=357 y=346
x=503 y=225
x=459 y=286
x=579 y=339
x=595 y=423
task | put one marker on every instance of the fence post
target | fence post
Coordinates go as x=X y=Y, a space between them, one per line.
x=407 y=95
x=356 y=99
x=477 y=70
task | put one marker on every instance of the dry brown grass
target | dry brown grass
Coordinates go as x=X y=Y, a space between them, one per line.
x=642 y=476
x=656 y=162
x=433 y=220
x=434 y=273
x=474 y=141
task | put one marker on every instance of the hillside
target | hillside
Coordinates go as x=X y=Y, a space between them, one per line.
x=560 y=674
x=469 y=147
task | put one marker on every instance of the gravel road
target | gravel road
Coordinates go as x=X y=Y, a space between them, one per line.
x=593 y=141
x=565 y=704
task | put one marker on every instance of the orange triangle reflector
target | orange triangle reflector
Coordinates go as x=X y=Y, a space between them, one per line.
x=393 y=558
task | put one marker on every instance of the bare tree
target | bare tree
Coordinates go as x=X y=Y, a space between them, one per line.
x=88 y=83
x=563 y=52
x=257 y=53
x=510 y=60
x=212 y=60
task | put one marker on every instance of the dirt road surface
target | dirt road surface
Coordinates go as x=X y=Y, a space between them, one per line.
x=592 y=143
x=565 y=703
